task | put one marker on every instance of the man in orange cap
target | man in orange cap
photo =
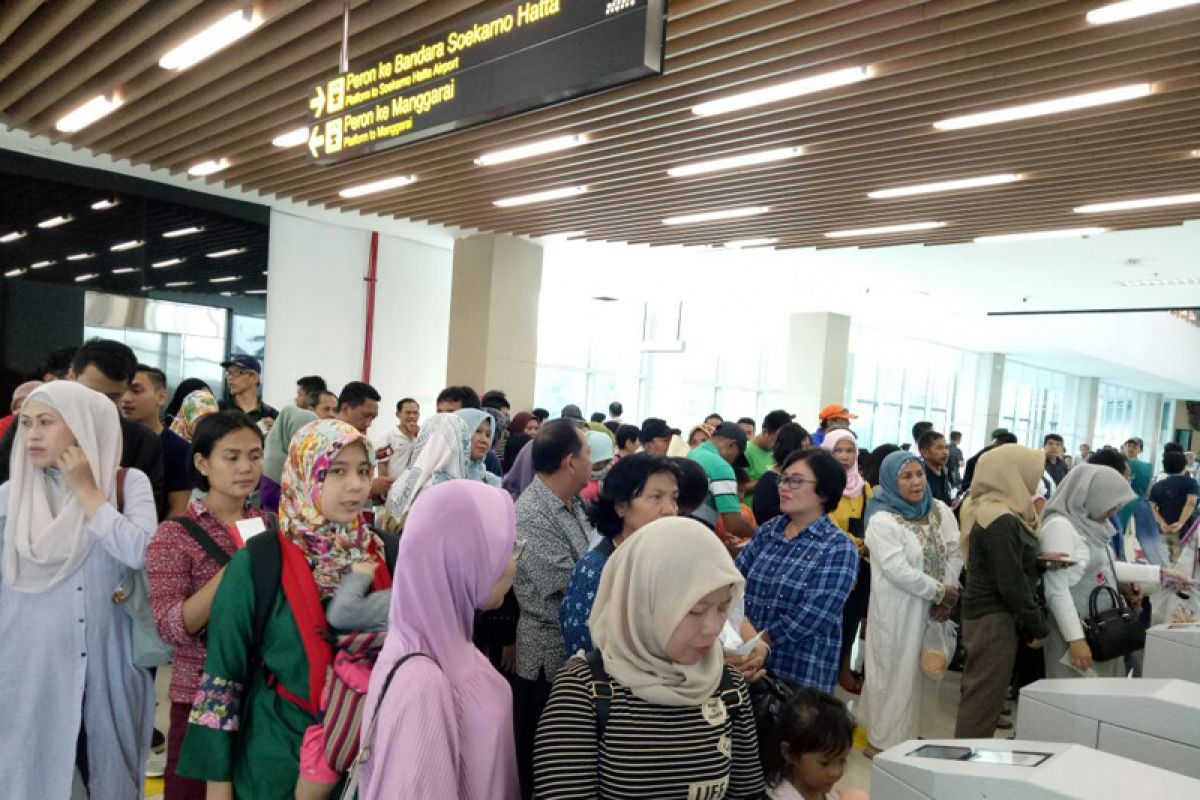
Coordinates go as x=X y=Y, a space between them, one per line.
x=833 y=416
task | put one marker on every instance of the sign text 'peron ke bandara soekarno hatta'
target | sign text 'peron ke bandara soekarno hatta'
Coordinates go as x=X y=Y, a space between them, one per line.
x=509 y=58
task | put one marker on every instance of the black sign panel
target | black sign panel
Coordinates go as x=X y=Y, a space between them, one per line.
x=510 y=58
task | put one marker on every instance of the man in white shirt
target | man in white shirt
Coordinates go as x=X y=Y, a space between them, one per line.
x=401 y=441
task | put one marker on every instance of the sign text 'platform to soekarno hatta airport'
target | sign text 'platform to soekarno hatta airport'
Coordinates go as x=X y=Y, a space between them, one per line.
x=508 y=58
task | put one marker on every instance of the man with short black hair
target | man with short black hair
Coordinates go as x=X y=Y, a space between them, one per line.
x=955 y=464
x=551 y=519
x=749 y=426
x=401 y=440
x=57 y=364
x=454 y=398
x=143 y=403
x=597 y=417
x=323 y=404
x=999 y=436
x=714 y=419
x=759 y=451
x=724 y=451
x=305 y=387
x=494 y=398
x=935 y=453
x=627 y=440
x=243 y=375
x=358 y=405
x=655 y=436
x=615 y=410
x=918 y=430
x=1056 y=467
x=107 y=367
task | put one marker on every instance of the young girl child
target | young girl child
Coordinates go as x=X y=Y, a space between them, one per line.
x=804 y=755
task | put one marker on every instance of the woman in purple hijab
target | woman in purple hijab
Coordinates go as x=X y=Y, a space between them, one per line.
x=445 y=721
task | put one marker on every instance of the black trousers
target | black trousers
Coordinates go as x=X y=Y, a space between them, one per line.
x=856 y=607
x=529 y=700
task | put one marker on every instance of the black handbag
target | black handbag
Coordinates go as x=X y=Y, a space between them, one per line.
x=1115 y=632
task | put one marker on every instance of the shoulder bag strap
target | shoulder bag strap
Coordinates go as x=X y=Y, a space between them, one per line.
x=601 y=691
x=350 y=789
x=121 y=471
x=201 y=537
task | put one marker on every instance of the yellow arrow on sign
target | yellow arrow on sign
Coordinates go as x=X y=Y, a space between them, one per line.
x=315 y=140
x=317 y=104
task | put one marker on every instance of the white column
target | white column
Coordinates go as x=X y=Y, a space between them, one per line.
x=817 y=355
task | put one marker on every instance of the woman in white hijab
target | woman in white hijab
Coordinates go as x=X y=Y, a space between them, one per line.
x=77 y=713
x=1076 y=523
x=663 y=600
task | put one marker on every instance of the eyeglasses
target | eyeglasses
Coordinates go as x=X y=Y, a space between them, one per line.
x=518 y=548
x=234 y=372
x=794 y=481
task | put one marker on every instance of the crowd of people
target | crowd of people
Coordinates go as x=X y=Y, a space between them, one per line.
x=499 y=605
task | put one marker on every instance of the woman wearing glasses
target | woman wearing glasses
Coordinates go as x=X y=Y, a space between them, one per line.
x=799 y=569
x=438 y=717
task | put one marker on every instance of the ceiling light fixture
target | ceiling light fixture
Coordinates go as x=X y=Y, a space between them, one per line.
x=233 y=251
x=225 y=279
x=1145 y=282
x=708 y=216
x=381 y=185
x=738 y=244
x=105 y=204
x=12 y=273
x=124 y=270
x=208 y=167
x=293 y=138
x=885 y=229
x=130 y=245
x=540 y=197
x=177 y=284
x=256 y=291
x=170 y=262
x=42 y=264
x=54 y=222
x=733 y=162
x=530 y=150
x=1129 y=9
x=1066 y=233
x=1046 y=107
x=87 y=276
x=183 y=232
x=782 y=91
x=1145 y=202
x=945 y=186
x=80 y=256
x=12 y=236
x=212 y=39
x=97 y=108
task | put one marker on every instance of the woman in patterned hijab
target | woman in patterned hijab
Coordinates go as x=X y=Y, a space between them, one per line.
x=196 y=406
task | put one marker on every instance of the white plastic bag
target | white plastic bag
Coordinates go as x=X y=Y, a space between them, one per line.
x=937 y=648
x=1171 y=605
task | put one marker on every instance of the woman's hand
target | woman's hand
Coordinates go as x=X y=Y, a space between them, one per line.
x=1081 y=655
x=951 y=596
x=364 y=567
x=1037 y=644
x=1173 y=577
x=77 y=472
x=940 y=613
x=750 y=666
x=508 y=658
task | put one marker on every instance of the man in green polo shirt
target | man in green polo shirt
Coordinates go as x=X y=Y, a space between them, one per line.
x=718 y=456
x=759 y=451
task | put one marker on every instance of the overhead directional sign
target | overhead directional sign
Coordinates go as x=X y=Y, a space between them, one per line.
x=508 y=58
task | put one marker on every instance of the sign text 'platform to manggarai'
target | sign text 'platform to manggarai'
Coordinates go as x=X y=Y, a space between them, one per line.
x=509 y=58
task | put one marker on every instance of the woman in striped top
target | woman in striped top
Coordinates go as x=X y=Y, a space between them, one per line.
x=678 y=723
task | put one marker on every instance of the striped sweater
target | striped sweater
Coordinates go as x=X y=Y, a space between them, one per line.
x=651 y=752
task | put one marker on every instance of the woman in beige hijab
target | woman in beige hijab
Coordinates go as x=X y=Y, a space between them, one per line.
x=1000 y=605
x=657 y=689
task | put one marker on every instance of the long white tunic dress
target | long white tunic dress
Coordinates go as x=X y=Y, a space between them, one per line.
x=910 y=562
x=66 y=655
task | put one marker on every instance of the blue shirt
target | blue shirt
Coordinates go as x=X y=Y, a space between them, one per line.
x=580 y=596
x=796 y=590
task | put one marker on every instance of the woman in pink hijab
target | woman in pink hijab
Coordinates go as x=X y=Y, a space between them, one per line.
x=445 y=720
x=850 y=516
x=18 y=397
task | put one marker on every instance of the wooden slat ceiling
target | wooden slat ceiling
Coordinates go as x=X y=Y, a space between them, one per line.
x=929 y=60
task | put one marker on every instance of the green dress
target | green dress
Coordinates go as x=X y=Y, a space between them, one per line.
x=240 y=729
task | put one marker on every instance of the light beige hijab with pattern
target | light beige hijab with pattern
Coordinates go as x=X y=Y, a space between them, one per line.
x=45 y=539
x=648 y=586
